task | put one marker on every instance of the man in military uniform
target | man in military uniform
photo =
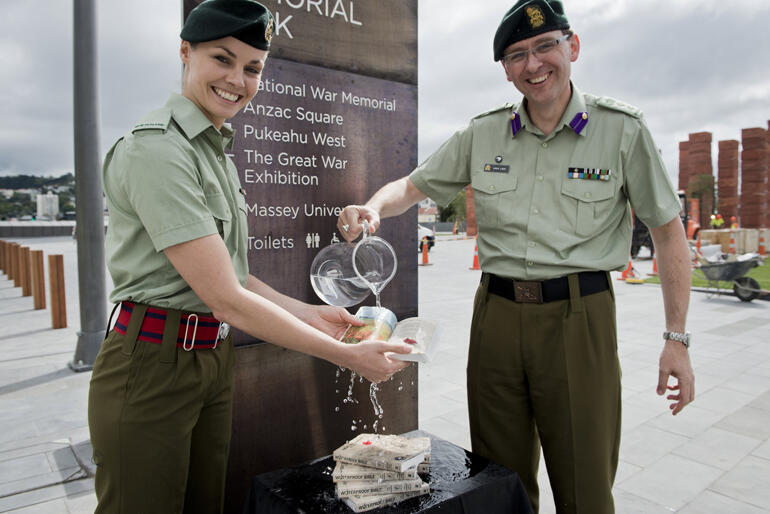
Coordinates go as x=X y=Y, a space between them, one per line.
x=553 y=178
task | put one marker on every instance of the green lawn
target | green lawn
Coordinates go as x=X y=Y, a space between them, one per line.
x=761 y=274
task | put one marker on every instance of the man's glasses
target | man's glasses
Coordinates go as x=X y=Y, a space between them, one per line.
x=539 y=51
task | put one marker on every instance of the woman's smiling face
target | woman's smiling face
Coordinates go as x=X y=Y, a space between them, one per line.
x=221 y=76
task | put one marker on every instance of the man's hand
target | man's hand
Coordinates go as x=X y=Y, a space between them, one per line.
x=333 y=321
x=675 y=361
x=351 y=218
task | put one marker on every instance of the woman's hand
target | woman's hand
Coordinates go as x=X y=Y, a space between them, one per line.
x=369 y=359
x=333 y=321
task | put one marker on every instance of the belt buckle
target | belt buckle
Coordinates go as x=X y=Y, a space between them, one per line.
x=194 y=333
x=528 y=292
x=224 y=329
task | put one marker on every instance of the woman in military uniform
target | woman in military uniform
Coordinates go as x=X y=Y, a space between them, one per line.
x=160 y=401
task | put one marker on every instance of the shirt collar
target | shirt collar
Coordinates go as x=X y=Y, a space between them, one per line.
x=193 y=122
x=575 y=116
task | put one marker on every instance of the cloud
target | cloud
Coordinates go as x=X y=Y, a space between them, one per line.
x=689 y=65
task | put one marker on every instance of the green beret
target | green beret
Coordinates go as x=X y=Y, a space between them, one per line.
x=247 y=20
x=526 y=19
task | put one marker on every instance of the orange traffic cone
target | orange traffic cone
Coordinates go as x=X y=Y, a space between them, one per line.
x=732 y=243
x=762 y=249
x=654 y=267
x=475 y=257
x=424 y=252
x=628 y=272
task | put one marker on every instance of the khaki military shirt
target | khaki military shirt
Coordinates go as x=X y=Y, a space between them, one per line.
x=547 y=206
x=167 y=182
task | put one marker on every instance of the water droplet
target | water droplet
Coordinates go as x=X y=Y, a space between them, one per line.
x=400 y=388
x=336 y=409
x=353 y=427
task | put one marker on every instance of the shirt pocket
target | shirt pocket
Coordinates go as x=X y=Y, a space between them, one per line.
x=493 y=194
x=217 y=205
x=589 y=202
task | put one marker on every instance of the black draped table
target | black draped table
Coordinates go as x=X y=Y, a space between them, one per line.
x=460 y=482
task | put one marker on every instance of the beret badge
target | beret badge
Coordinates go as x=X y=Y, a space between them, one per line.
x=269 y=31
x=536 y=16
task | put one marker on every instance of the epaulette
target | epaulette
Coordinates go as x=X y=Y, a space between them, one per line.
x=616 y=105
x=155 y=120
x=492 y=111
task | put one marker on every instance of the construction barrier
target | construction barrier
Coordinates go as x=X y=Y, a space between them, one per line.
x=732 y=243
x=26 y=272
x=38 y=279
x=58 y=298
x=762 y=242
x=475 y=258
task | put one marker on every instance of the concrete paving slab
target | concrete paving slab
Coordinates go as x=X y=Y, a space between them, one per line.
x=672 y=481
x=710 y=502
x=747 y=482
x=718 y=448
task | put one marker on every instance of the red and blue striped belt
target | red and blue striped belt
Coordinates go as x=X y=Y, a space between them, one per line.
x=195 y=331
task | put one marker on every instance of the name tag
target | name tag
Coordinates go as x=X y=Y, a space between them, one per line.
x=496 y=168
x=589 y=174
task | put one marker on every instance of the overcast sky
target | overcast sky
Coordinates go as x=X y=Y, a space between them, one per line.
x=690 y=65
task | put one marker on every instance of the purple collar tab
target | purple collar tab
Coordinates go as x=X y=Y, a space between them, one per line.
x=515 y=123
x=579 y=122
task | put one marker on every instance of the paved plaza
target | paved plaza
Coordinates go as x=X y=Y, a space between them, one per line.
x=714 y=457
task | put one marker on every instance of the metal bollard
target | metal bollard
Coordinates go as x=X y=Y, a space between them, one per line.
x=38 y=279
x=58 y=299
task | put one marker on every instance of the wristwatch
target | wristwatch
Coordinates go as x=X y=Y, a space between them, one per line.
x=683 y=338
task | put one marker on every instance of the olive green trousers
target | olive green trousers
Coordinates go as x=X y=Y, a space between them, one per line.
x=548 y=374
x=160 y=421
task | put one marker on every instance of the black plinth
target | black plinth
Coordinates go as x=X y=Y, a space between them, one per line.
x=460 y=482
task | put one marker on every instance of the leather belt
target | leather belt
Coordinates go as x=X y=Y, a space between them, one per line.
x=542 y=291
x=196 y=331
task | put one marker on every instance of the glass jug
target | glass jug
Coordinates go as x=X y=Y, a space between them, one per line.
x=343 y=274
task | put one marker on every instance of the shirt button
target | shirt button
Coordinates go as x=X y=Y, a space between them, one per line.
x=530 y=263
x=535 y=211
x=531 y=244
x=545 y=145
x=540 y=178
x=588 y=195
x=219 y=158
x=491 y=188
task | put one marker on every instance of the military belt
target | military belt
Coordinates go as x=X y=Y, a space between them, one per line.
x=196 y=331
x=543 y=291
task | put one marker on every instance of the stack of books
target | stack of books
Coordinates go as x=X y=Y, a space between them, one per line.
x=375 y=470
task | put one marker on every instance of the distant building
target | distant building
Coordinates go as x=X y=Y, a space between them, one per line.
x=8 y=193
x=47 y=206
x=427 y=211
